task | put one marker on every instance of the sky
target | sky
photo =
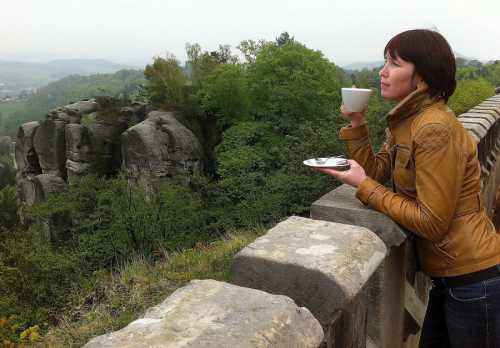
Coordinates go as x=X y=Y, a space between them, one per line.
x=134 y=31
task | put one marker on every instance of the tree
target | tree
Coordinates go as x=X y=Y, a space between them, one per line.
x=166 y=83
x=225 y=95
x=292 y=83
x=250 y=49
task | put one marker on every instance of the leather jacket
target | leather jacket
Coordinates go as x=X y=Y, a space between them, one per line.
x=433 y=163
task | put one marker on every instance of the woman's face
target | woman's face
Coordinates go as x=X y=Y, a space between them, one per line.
x=397 y=78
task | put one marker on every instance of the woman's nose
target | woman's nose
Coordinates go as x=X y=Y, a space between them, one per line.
x=383 y=71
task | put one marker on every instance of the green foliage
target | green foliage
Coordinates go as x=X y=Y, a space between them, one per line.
x=469 y=93
x=262 y=177
x=166 y=83
x=489 y=72
x=36 y=277
x=8 y=210
x=7 y=170
x=291 y=84
x=112 y=219
x=226 y=95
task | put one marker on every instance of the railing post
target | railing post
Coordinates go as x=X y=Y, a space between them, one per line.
x=389 y=324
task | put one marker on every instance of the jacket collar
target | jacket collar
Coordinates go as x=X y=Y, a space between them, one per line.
x=412 y=104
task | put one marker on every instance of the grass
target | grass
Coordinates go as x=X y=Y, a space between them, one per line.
x=112 y=300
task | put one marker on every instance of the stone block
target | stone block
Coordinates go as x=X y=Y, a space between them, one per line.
x=477 y=130
x=476 y=115
x=212 y=314
x=321 y=265
x=340 y=205
x=483 y=123
x=486 y=110
x=385 y=291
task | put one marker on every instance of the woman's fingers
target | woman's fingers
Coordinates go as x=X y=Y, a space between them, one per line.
x=332 y=172
x=353 y=176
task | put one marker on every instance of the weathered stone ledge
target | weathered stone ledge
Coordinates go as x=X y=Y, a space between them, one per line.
x=213 y=314
x=320 y=264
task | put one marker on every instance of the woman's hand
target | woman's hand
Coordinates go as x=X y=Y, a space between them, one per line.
x=354 y=176
x=357 y=118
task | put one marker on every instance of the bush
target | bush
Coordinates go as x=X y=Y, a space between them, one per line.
x=111 y=220
x=9 y=219
x=7 y=171
x=470 y=93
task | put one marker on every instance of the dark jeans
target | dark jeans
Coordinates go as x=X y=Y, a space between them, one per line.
x=466 y=316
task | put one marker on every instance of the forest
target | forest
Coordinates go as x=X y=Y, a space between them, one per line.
x=270 y=104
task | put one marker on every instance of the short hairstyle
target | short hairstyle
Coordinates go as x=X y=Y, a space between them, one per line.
x=432 y=56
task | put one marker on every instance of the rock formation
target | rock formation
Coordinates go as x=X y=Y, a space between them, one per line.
x=5 y=145
x=161 y=147
x=92 y=136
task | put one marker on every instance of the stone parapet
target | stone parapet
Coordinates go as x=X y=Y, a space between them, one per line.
x=321 y=265
x=213 y=314
x=396 y=294
x=483 y=122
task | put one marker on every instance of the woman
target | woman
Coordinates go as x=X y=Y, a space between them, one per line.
x=432 y=161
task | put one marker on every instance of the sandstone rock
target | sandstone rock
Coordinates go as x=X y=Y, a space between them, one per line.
x=78 y=150
x=320 y=265
x=77 y=168
x=5 y=145
x=50 y=146
x=212 y=314
x=340 y=205
x=82 y=107
x=26 y=157
x=35 y=189
x=105 y=147
x=160 y=146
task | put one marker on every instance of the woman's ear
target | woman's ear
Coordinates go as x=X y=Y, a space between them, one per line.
x=418 y=82
x=422 y=84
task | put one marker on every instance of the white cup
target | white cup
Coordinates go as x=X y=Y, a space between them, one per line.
x=355 y=99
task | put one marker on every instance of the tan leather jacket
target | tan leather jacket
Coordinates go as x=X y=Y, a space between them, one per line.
x=435 y=172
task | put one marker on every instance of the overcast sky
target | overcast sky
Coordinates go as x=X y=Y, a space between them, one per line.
x=136 y=30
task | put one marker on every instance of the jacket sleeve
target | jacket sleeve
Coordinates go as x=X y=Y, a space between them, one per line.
x=439 y=170
x=376 y=166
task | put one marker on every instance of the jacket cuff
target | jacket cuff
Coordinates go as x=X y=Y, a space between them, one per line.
x=357 y=133
x=366 y=188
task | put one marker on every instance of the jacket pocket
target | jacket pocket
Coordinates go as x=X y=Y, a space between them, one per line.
x=404 y=171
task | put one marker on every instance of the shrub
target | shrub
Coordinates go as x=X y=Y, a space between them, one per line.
x=470 y=93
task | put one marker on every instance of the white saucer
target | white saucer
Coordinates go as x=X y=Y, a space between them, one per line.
x=337 y=163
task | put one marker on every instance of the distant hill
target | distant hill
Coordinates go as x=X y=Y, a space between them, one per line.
x=462 y=59
x=124 y=83
x=18 y=76
x=364 y=65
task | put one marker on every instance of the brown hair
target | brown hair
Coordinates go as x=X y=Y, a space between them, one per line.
x=432 y=56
